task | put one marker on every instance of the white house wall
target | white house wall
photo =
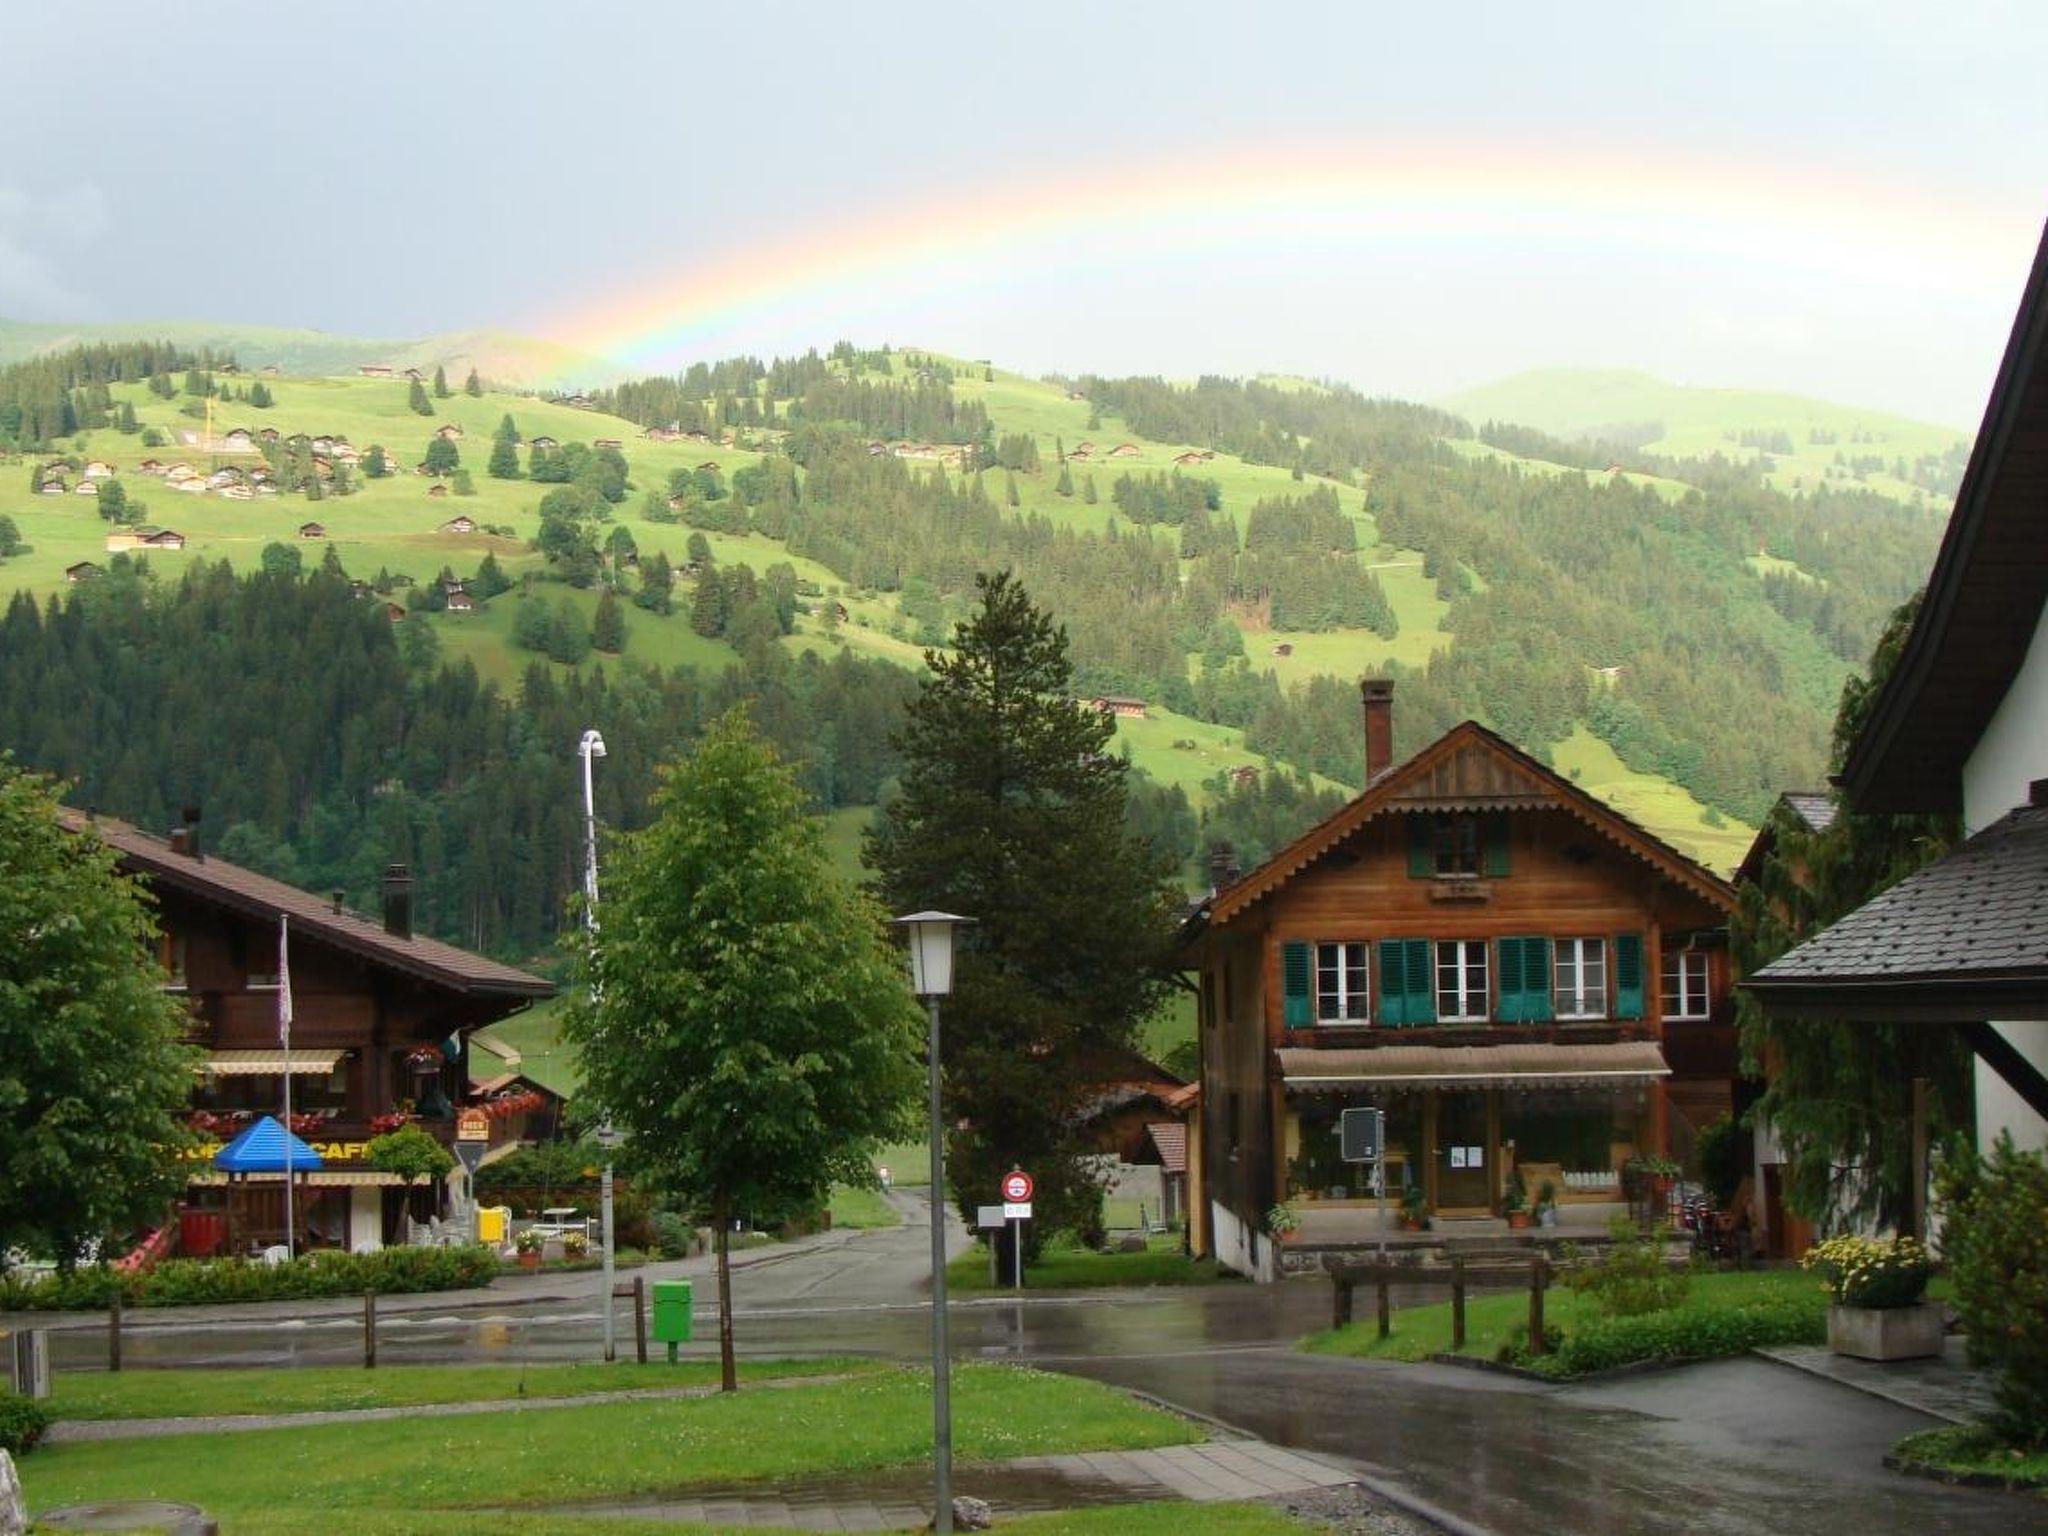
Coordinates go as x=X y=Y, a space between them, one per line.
x=2008 y=757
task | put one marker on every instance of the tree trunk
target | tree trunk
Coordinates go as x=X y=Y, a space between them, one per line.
x=728 y=1373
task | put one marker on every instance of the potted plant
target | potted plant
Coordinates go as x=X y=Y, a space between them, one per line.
x=1284 y=1222
x=1514 y=1203
x=575 y=1245
x=1546 y=1204
x=1877 y=1288
x=1414 y=1208
x=527 y=1244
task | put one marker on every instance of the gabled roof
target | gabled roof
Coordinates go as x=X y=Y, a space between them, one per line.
x=1816 y=810
x=1468 y=768
x=1984 y=596
x=259 y=896
x=1965 y=938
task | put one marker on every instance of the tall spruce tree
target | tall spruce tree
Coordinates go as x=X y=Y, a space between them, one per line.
x=416 y=397
x=441 y=389
x=608 y=625
x=1012 y=812
x=473 y=386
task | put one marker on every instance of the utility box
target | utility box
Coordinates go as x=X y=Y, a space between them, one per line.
x=494 y=1224
x=672 y=1309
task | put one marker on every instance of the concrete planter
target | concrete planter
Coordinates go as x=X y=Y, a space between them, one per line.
x=1886 y=1333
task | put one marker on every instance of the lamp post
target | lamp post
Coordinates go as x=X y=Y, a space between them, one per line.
x=590 y=748
x=931 y=978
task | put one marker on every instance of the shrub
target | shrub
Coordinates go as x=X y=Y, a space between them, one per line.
x=1869 y=1271
x=192 y=1282
x=1694 y=1331
x=1631 y=1277
x=22 y=1422
x=672 y=1235
x=1995 y=1238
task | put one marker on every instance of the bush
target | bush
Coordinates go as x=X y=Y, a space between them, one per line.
x=1994 y=1236
x=1631 y=1277
x=1693 y=1331
x=672 y=1235
x=1871 y=1272
x=195 y=1282
x=22 y=1422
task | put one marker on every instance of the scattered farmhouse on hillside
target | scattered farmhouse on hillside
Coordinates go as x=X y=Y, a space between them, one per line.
x=1123 y=707
x=312 y=530
x=464 y=524
x=84 y=570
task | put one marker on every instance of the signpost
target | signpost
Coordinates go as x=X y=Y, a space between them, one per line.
x=1017 y=1189
x=472 y=1136
x=1362 y=1135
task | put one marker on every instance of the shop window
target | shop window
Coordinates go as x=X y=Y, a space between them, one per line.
x=1581 y=978
x=1685 y=985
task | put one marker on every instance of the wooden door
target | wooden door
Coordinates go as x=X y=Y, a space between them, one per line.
x=1463 y=1153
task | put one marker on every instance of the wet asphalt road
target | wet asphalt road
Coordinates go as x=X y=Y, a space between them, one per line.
x=1740 y=1446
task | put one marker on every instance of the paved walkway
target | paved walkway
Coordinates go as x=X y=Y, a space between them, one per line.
x=1945 y=1388
x=1216 y=1472
x=73 y=1430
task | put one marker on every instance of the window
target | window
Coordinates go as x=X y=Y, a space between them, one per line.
x=170 y=954
x=1455 y=839
x=1581 y=978
x=1685 y=985
x=262 y=977
x=1341 y=984
x=1461 y=992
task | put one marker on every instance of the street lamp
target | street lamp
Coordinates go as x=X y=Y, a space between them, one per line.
x=931 y=978
x=590 y=748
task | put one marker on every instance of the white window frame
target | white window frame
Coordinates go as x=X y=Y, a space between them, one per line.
x=1351 y=999
x=1575 y=958
x=1693 y=996
x=1474 y=1001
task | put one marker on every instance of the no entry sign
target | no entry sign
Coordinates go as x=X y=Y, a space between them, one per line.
x=1017 y=1186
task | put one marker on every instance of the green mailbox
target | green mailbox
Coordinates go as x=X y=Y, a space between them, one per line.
x=672 y=1306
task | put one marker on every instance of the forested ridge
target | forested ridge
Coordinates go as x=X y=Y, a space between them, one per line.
x=323 y=741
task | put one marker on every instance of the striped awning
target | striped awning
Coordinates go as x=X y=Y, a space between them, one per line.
x=1534 y=1064
x=272 y=1063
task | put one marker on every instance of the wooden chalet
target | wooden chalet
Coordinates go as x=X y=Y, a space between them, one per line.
x=374 y=370
x=381 y=1023
x=1961 y=727
x=1526 y=982
x=84 y=570
x=1123 y=451
x=1124 y=708
x=449 y=432
x=312 y=530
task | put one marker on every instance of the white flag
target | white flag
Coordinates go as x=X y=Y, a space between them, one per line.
x=284 y=982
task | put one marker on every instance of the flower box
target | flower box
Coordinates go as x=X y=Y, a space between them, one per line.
x=1887 y=1333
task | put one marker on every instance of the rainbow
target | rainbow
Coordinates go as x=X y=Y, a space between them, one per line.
x=1470 y=196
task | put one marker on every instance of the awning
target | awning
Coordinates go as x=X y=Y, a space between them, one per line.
x=332 y=1178
x=272 y=1063
x=1532 y=1064
x=266 y=1147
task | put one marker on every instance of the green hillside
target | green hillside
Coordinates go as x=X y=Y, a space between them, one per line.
x=501 y=356
x=1816 y=441
x=1457 y=542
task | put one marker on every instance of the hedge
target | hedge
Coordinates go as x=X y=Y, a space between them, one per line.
x=1699 y=1329
x=192 y=1282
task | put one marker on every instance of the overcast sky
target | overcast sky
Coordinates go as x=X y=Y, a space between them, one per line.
x=1059 y=186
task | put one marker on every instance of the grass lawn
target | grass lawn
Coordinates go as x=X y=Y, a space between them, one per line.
x=1066 y=1268
x=909 y=1163
x=1162 y=1519
x=390 y=1468
x=306 y=1389
x=861 y=1208
x=1973 y=1451
x=1658 y=804
x=1725 y=1314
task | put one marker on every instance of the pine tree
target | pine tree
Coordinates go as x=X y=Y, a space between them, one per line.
x=442 y=456
x=504 y=461
x=473 y=386
x=126 y=419
x=1010 y=488
x=113 y=501
x=259 y=396
x=441 y=389
x=1012 y=811
x=1088 y=489
x=376 y=464
x=416 y=397
x=608 y=625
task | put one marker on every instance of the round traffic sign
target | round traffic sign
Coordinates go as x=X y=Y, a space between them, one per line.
x=1017 y=1186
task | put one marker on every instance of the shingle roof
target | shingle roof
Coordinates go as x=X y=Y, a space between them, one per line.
x=1976 y=916
x=260 y=896
x=1171 y=1138
x=1536 y=1061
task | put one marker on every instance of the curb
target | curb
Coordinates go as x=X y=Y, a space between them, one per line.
x=1958 y=1477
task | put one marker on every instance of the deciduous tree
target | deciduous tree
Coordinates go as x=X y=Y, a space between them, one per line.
x=93 y=1074
x=742 y=1018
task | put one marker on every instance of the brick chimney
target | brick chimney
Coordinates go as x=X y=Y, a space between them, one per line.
x=398 y=901
x=1377 y=694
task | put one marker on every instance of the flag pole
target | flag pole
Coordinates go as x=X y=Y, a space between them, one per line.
x=284 y=1036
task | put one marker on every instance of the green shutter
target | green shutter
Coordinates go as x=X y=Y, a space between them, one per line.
x=1297 y=1002
x=1628 y=976
x=1421 y=969
x=1496 y=846
x=1393 y=982
x=1421 y=847
x=1508 y=958
x=1536 y=981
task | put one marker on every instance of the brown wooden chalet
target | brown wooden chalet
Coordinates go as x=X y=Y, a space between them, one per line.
x=380 y=1035
x=1524 y=980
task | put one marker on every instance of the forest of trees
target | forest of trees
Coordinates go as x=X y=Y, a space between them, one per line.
x=52 y=396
